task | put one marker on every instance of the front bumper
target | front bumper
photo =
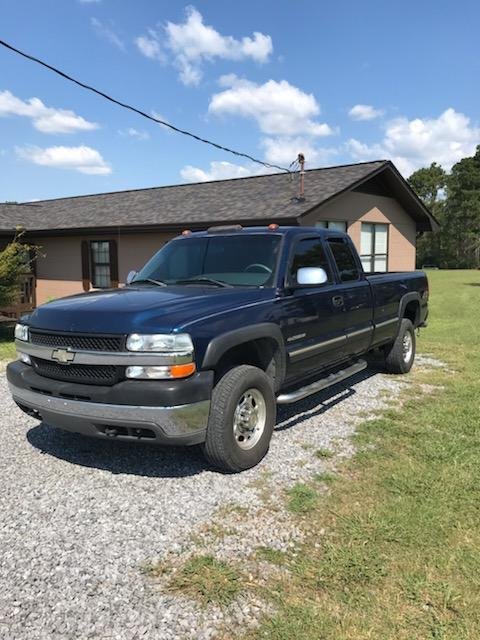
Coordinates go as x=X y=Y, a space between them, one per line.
x=184 y=423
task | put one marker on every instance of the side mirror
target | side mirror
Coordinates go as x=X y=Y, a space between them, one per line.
x=131 y=276
x=311 y=275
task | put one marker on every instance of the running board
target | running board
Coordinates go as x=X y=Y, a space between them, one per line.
x=323 y=383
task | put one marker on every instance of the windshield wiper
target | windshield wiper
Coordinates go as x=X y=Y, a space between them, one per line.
x=202 y=280
x=151 y=281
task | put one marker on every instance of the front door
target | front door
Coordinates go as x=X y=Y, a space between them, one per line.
x=311 y=317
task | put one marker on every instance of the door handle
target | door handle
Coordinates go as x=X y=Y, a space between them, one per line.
x=337 y=301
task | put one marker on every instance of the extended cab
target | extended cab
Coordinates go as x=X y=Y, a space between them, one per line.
x=213 y=332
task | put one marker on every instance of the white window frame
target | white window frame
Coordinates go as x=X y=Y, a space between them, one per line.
x=373 y=255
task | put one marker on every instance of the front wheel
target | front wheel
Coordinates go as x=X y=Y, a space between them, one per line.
x=242 y=418
x=400 y=354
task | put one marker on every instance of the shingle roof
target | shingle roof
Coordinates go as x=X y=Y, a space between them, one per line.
x=267 y=197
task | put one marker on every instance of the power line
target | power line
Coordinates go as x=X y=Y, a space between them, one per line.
x=139 y=111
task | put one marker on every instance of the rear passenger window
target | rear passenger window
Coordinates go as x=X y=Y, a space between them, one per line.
x=345 y=260
x=308 y=252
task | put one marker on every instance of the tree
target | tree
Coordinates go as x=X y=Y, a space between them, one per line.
x=14 y=261
x=462 y=219
x=429 y=184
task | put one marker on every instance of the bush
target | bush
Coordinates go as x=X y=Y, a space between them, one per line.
x=15 y=260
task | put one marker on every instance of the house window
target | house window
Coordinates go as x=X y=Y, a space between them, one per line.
x=374 y=246
x=99 y=264
x=100 y=260
x=333 y=225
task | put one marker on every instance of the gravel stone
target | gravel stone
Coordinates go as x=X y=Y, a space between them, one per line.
x=79 y=518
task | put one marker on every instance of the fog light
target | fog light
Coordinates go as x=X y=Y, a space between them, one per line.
x=24 y=357
x=160 y=373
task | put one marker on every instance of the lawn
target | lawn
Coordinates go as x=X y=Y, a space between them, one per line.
x=7 y=348
x=393 y=549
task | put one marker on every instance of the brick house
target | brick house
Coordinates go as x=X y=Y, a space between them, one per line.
x=94 y=241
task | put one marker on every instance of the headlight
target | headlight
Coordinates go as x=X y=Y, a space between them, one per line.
x=160 y=342
x=21 y=332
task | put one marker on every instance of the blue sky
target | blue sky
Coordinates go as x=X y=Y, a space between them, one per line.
x=340 y=81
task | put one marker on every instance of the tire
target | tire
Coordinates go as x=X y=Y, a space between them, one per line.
x=400 y=354
x=242 y=418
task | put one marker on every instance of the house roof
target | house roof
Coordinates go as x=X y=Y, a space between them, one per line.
x=260 y=198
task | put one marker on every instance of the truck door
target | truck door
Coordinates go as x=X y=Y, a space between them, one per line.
x=355 y=294
x=311 y=318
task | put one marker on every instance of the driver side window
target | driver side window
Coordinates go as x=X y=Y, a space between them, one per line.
x=308 y=252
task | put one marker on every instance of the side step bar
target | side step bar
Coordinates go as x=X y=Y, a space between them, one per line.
x=323 y=383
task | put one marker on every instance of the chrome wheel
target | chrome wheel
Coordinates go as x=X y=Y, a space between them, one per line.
x=249 y=419
x=407 y=347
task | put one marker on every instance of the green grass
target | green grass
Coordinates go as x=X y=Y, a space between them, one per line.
x=208 y=579
x=7 y=347
x=393 y=550
x=274 y=556
x=325 y=477
x=324 y=453
x=301 y=498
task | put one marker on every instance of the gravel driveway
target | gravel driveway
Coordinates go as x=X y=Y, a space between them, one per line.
x=79 y=518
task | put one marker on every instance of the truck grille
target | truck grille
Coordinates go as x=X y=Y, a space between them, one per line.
x=78 y=342
x=83 y=374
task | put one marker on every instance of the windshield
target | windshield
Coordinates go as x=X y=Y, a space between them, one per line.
x=242 y=261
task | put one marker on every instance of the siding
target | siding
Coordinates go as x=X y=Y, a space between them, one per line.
x=59 y=268
x=356 y=208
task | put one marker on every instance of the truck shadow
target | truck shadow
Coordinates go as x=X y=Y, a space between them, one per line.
x=172 y=462
x=289 y=415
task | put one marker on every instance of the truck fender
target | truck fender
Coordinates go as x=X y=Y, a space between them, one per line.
x=221 y=344
x=404 y=300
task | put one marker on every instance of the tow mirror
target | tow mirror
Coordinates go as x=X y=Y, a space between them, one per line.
x=311 y=275
x=131 y=276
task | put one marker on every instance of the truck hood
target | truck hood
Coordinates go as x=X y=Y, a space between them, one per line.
x=147 y=309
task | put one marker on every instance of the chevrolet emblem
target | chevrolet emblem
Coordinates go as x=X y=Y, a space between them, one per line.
x=63 y=356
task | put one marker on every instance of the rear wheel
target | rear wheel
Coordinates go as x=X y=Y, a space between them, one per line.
x=242 y=418
x=399 y=355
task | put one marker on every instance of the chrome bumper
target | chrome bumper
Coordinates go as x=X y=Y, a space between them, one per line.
x=183 y=424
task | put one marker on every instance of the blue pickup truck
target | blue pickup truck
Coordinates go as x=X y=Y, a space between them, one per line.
x=210 y=335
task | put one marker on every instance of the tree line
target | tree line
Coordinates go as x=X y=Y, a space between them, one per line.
x=454 y=200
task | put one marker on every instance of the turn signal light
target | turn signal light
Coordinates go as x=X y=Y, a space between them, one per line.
x=182 y=370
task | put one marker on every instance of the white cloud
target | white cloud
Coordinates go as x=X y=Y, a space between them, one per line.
x=45 y=119
x=282 y=151
x=279 y=108
x=364 y=112
x=159 y=116
x=416 y=143
x=150 y=47
x=134 y=133
x=83 y=159
x=221 y=171
x=192 y=42
x=108 y=33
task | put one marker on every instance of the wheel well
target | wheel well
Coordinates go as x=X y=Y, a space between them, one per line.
x=263 y=353
x=412 y=312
